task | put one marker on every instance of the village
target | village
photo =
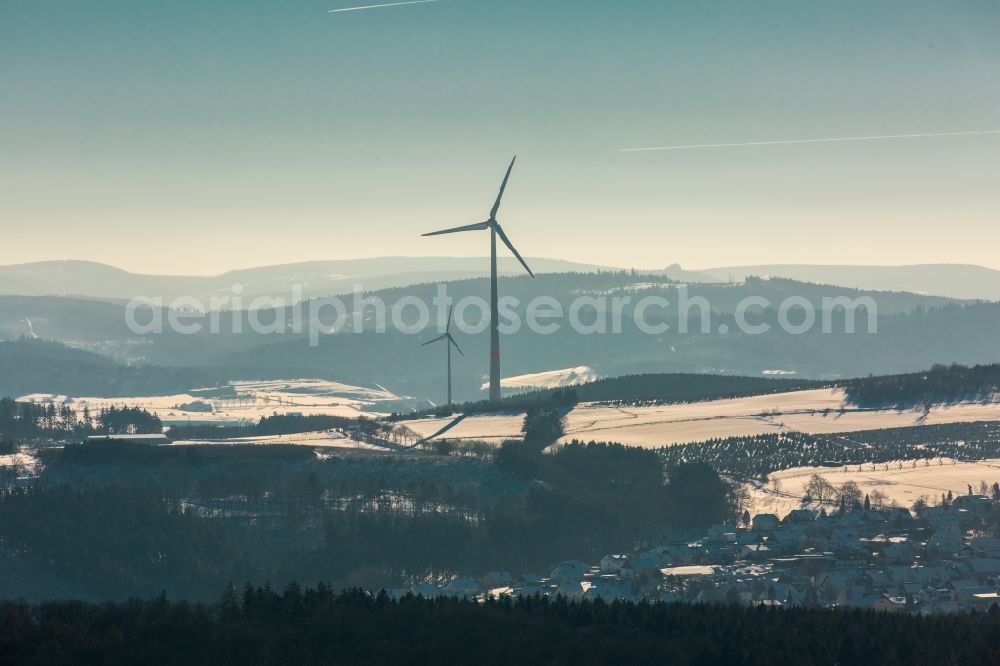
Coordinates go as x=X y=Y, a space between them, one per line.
x=944 y=558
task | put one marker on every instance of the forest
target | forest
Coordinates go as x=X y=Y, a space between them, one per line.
x=316 y=625
x=682 y=387
x=942 y=384
x=117 y=521
x=278 y=424
x=29 y=420
x=755 y=456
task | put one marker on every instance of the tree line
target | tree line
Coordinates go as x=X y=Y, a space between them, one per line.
x=756 y=456
x=278 y=424
x=316 y=625
x=30 y=420
x=941 y=384
x=280 y=513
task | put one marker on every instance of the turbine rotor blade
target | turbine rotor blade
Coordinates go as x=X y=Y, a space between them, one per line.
x=452 y=341
x=503 y=186
x=510 y=246
x=480 y=226
x=440 y=337
x=447 y=329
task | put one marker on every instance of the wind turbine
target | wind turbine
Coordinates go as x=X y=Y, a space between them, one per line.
x=449 y=341
x=495 y=230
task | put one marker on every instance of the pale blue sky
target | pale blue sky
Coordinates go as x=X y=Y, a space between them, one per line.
x=193 y=137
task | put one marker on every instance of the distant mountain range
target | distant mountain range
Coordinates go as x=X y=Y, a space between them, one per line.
x=325 y=278
x=317 y=278
x=914 y=332
x=964 y=281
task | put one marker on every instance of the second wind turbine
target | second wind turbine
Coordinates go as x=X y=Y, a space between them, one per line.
x=449 y=341
x=495 y=230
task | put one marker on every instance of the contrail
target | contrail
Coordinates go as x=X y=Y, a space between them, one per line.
x=388 y=4
x=883 y=137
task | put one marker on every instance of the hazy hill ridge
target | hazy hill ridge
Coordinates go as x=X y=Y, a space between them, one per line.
x=914 y=332
x=323 y=278
x=963 y=281
x=315 y=278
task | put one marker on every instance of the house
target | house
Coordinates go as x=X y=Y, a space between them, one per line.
x=497 y=579
x=900 y=552
x=973 y=503
x=830 y=586
x=950 y=534
x=788 y=541
x=770 y=603
x=940 y=517
x=799 y=517
x=982 y=545
x=569 y=570
x=944 y=606
x=891 y=604
x=755 y=551
x=660 y=555
x=612 y=563
x=721 y=533
x=852 y=549
x=842 y=534
x=679 y=553
x=879 y=580
x=532 y=586
x=573 y=590
x=747 y=538
x=898 y=515
x=462 y=587
x=721 y=553
x=608 y=592
x=856 y=597
x=984 y=566
x=640 y=569
x=765 y=522
x=976 y=594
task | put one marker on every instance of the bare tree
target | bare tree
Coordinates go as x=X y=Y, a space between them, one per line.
x=849 y=495
x=820 y=489
x=878 y=499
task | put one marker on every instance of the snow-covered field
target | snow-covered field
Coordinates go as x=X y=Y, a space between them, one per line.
x=817 y=411
x=901 y=481
x=491 y=427
x=254 y=400
x=549 y=379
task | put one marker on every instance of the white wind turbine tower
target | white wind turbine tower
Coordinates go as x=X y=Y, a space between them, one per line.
x=449 y=341
x=495 y=230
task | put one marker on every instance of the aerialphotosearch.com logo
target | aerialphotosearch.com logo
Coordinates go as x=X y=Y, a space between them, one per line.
x=652 y=314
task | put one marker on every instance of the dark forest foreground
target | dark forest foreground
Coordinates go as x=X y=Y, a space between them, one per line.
x=316 y=626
